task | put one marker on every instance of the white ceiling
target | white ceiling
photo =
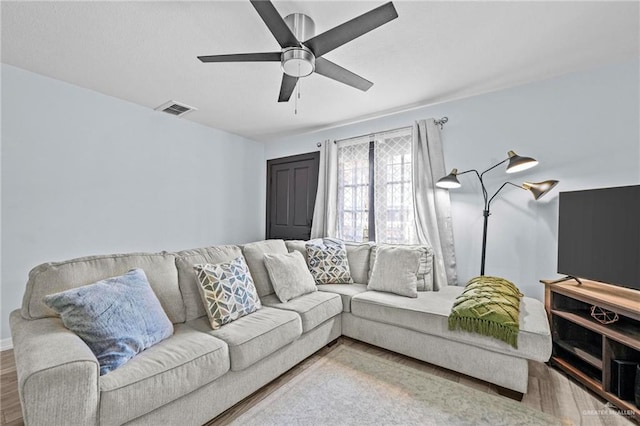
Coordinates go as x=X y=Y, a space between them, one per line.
x=145 y=52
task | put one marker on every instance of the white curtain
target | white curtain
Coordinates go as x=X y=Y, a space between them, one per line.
x=432 y=205
x=325 y=210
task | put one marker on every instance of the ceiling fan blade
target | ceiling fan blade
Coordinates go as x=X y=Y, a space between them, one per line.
x=286 y=89
x=275 y=23
x=336 y=72
x=243 y=57
x=344 y=33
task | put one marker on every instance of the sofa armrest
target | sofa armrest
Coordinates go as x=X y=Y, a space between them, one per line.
x=58 y=375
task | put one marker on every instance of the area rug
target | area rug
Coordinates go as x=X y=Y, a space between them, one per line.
x=351 y=387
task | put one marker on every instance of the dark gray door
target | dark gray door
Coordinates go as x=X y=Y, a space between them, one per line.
x=291 y=194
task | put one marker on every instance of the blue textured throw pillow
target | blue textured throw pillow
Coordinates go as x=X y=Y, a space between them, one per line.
x=117 y=317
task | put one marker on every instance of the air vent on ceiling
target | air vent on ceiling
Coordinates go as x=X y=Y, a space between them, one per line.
x=175 y=108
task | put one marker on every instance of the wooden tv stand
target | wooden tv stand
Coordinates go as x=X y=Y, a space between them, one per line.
x=586 y=349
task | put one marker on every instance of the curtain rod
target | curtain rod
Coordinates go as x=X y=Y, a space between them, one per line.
x=371 y=134
x=440 y=122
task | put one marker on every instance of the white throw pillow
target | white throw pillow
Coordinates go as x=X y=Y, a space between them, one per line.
x=396 y=269
x=289 y=275
x=359 y=255
x=425 y=272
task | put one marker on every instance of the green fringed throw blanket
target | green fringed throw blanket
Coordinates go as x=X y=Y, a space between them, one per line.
x=488 y=306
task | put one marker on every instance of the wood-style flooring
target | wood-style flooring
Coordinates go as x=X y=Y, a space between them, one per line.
x=10 y=411
x=550 y=390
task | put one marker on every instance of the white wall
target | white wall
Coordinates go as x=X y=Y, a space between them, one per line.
x=84 y=173
x=583 y=128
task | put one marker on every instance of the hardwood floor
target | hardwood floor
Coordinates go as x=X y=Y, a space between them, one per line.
x=10 y=411
x=550 y=390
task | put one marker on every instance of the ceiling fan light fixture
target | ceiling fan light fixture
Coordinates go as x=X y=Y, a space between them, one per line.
x=298 y=62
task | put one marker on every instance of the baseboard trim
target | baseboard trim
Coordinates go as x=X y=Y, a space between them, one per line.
x=6 y=344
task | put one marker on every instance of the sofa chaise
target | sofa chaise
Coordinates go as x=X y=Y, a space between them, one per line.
x=198 y=373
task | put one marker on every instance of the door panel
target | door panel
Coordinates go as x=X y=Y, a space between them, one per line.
x=281 y=188
x=291 y=195
x=301 y=183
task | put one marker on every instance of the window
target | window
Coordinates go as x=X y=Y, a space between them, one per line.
x=375 y=199
x=353 y=190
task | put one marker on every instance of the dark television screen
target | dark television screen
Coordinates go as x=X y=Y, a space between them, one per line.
x=599 y=235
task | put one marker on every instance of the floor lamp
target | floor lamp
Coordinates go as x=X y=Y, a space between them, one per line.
x=516 y=164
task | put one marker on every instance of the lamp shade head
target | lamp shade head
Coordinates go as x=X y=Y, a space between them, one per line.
x=518 y=163
x=540 y=188
x=450 y=181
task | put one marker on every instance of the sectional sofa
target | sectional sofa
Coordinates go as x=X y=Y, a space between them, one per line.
x=197 y=373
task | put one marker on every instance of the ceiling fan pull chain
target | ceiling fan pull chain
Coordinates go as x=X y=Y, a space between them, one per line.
x=298 y=90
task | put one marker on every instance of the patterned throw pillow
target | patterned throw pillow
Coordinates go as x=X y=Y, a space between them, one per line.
x=227 y=291
x=328 y=262
x=117 y=317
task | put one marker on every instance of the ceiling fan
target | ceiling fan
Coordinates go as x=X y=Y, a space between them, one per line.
x=302 y=58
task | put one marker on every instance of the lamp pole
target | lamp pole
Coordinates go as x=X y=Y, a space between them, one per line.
x=486 y=212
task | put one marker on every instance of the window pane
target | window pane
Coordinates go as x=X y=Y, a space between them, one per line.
x=393 y=185
x=353 y=189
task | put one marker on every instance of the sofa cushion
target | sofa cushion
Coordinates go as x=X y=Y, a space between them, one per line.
x=289 y=275
x=328 y=262
x=254 y=254
x=255 y=336
x=313 y=308
x=117 y=318
x=346 y=291
x=359 y=255
x=185 y=260
x=428 y=313
x=227 y=291
x=55 y=277
x=174 y=367
x=298 y=245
